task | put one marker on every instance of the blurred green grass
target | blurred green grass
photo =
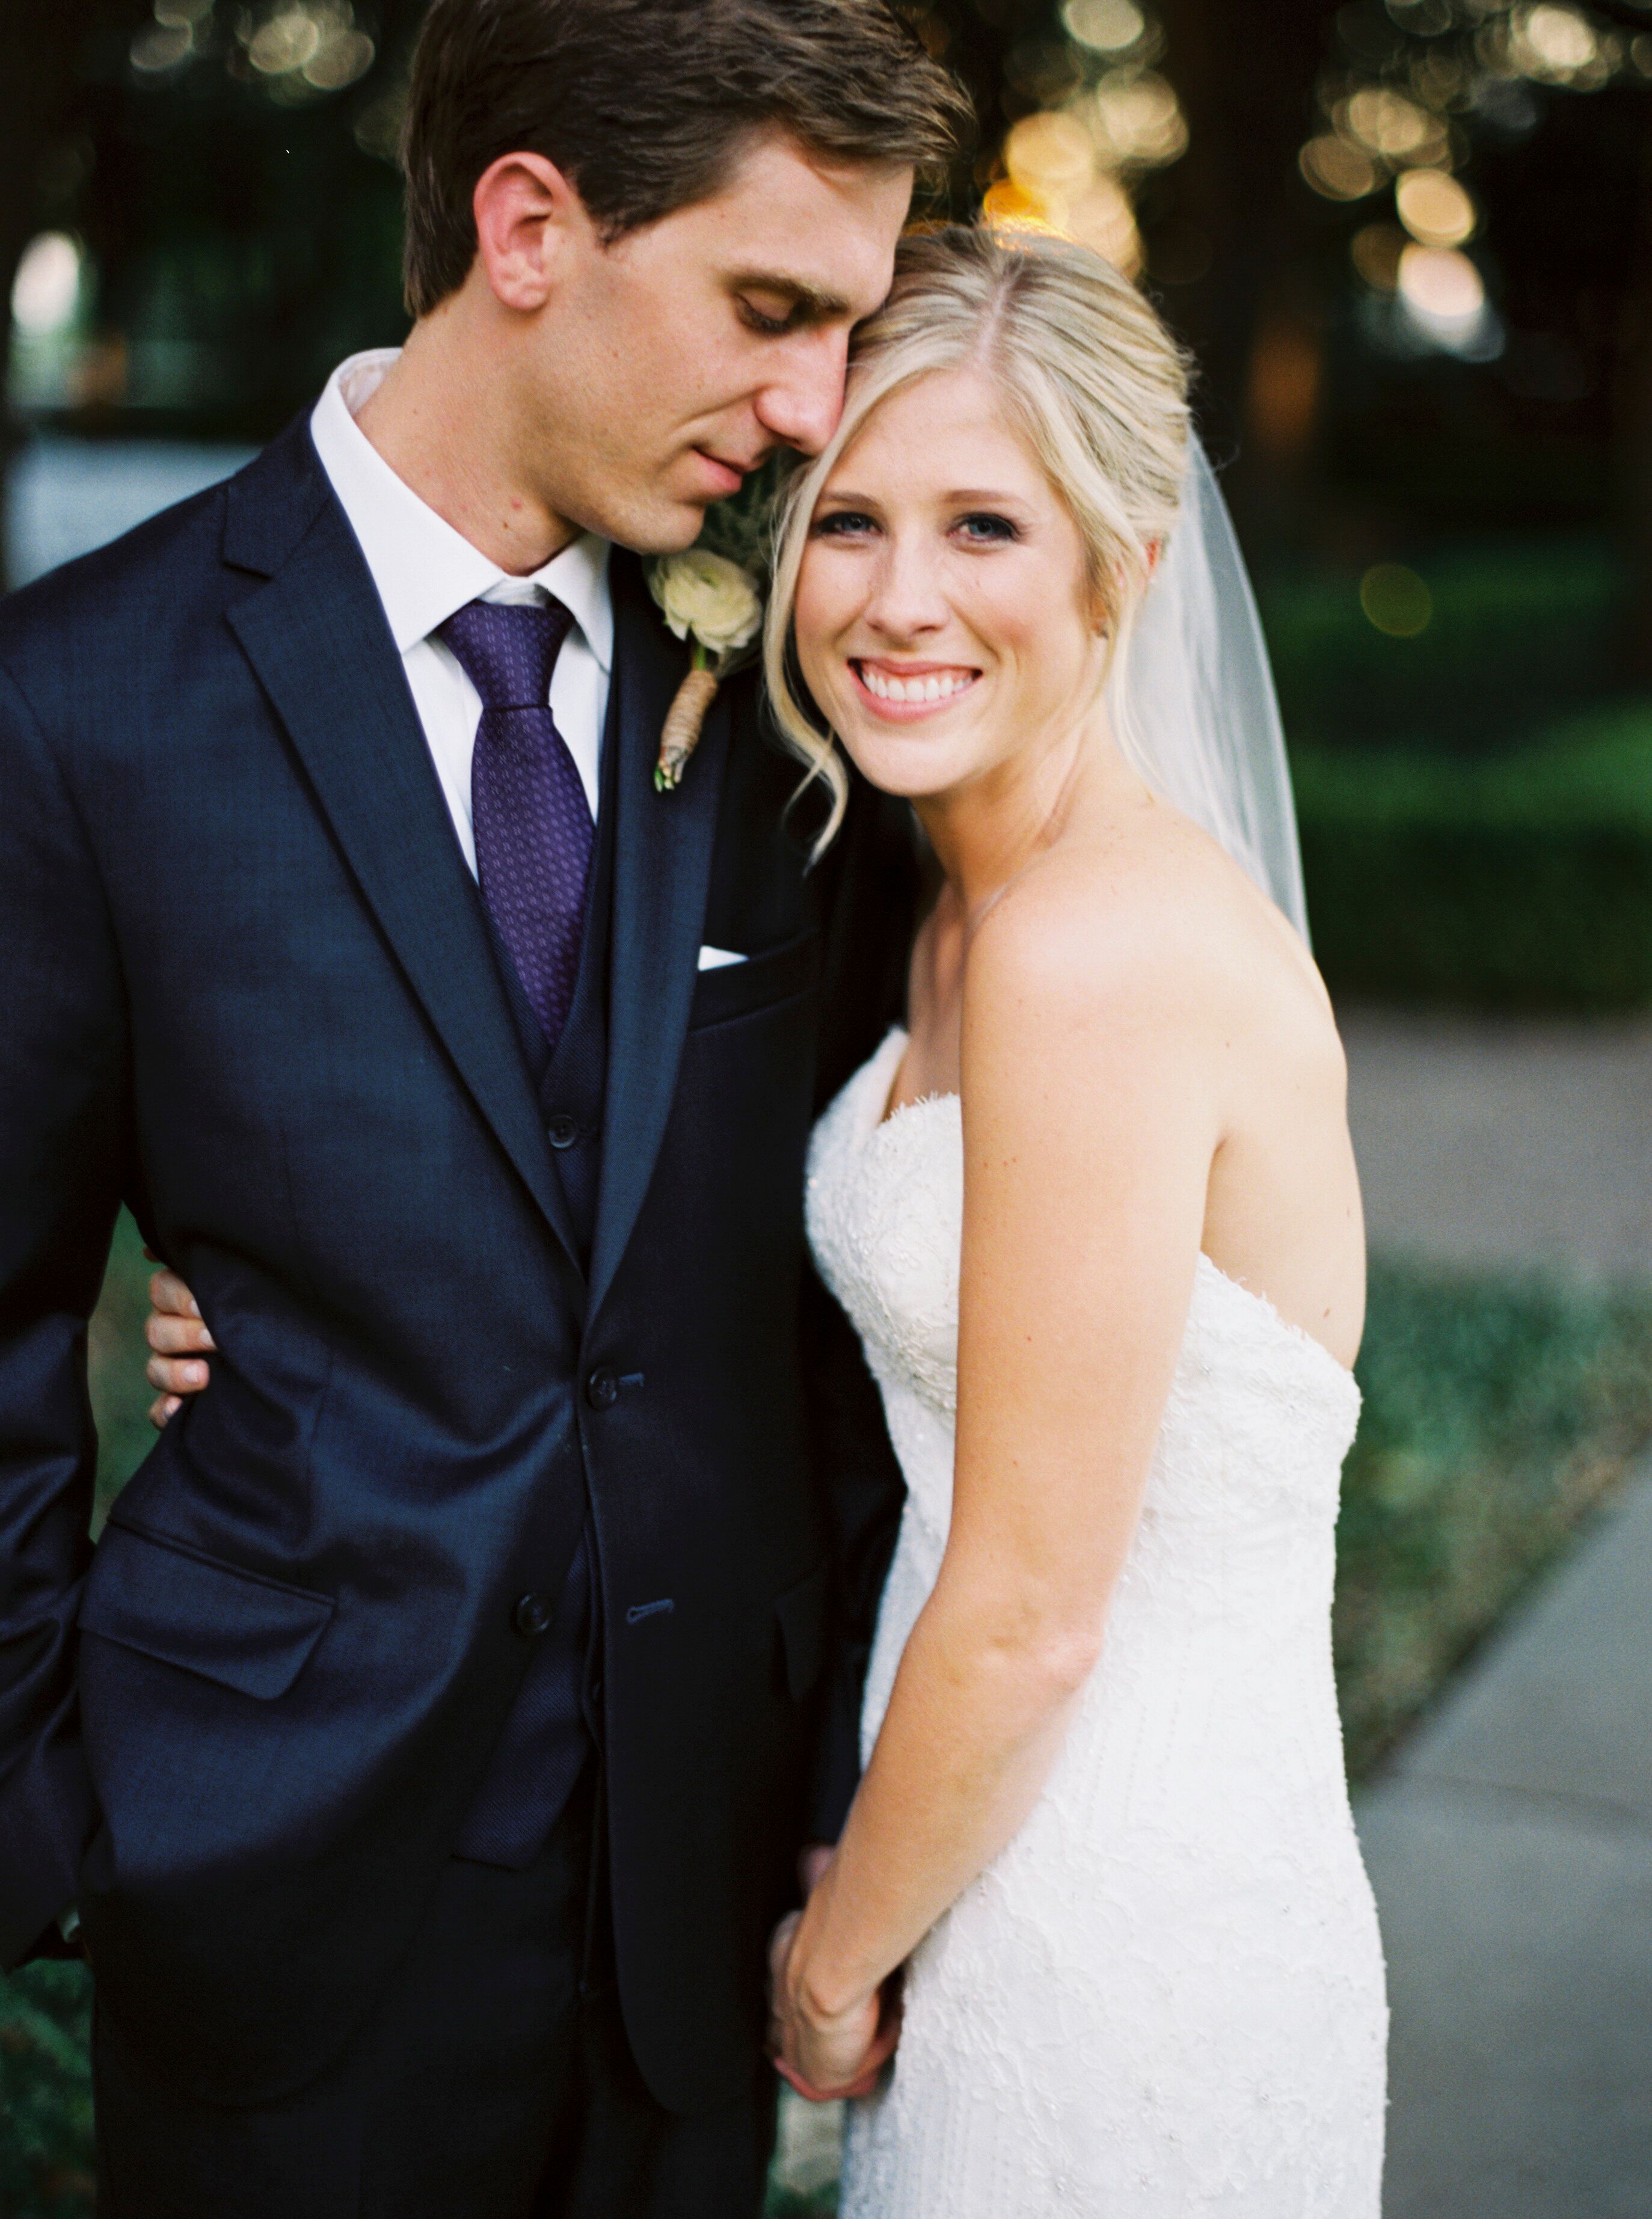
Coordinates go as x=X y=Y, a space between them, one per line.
x=1523 y=880
x=1475 y=797
x=1498 y=1413
x=1521 y=633
x=45 y=2097
x=115 y=1357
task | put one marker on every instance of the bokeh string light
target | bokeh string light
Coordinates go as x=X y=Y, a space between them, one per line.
x=1401 y=107
x=297 y=50
x=1105 y=118
x=45 y=291
x=1396 y=600
x=1434 y=208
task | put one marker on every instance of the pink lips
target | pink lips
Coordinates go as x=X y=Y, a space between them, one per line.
x=727 y=479
x=953 y=679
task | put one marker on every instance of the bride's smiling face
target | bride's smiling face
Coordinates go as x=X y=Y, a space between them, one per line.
x=944 y=622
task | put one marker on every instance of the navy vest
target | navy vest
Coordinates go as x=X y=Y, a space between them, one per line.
x=550 y=1732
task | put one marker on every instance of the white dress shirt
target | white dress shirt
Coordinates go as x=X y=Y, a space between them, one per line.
x=425 y=572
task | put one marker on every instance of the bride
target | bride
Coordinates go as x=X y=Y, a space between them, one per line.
x=1095 y=1214
x=1096 y=1940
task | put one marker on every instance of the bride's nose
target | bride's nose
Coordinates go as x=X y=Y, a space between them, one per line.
x=906 y=601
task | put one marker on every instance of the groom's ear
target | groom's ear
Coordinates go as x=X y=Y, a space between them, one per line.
x=530 y=222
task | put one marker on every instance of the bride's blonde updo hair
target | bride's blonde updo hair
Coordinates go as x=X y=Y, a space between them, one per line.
x=1087 y=374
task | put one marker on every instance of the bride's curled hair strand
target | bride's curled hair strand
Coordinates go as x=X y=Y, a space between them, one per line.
x=1088 y=375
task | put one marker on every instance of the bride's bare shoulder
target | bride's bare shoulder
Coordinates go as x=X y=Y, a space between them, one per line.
x=1145 y=923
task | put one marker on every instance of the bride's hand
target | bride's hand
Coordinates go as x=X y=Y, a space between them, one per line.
x=826 y=2055
x=179 y=1339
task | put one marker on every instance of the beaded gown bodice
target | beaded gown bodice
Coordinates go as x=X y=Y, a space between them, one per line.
x=1164 y=1998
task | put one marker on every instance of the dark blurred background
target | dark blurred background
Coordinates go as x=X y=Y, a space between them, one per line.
x=1409 y=242
x=1410 y=245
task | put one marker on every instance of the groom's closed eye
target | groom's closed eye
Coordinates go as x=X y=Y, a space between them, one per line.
x=769 y=325
x=774 y=307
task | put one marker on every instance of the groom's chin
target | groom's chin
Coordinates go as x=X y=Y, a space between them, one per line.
x=665 y=528
x=685 y=530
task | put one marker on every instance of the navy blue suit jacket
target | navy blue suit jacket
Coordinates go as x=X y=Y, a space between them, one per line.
x=248 y=987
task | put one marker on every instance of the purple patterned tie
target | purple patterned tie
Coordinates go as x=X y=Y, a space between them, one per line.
x=533 y=820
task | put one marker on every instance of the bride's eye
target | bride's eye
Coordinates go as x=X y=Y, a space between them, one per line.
x=985 y=528
x=843 y=524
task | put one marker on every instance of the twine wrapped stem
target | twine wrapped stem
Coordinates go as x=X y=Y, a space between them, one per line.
x=684 y=721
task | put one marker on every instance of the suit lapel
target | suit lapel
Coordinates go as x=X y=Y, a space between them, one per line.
x=317 y=637
x=662 y=868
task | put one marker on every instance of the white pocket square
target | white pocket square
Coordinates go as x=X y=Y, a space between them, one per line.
x=714 y=959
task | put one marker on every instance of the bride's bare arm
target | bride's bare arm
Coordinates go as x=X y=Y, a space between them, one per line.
x=1092 y=1084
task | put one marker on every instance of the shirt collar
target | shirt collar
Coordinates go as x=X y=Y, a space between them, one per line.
x=424 y=569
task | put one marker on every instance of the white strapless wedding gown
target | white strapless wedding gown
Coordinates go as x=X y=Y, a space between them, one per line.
x=1164 y=1998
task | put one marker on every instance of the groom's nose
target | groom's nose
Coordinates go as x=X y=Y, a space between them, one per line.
x=802 y=398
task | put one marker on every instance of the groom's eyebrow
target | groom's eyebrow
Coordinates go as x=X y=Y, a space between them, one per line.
x=809 y=306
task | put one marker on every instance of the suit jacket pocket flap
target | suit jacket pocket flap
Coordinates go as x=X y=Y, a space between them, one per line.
x=236 y=1627
x=801 y=1614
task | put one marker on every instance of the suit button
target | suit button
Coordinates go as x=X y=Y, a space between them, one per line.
x=532 y=1615
x=563 y=1131
x=602 y=1390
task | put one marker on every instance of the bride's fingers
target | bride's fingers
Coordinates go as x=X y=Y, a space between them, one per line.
x=170 y=1336
x=163 y=1407
x=886 y=2044
x=168 y=1292
x=177 y=1375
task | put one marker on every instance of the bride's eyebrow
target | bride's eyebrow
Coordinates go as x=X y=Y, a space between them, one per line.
x=966 y=497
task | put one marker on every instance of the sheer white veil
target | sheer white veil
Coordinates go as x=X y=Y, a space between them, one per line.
x=1193 y=703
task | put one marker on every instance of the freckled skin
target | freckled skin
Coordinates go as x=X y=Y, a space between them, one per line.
x=1147 y=1069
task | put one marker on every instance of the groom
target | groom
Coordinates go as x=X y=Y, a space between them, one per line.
x=426 y=1743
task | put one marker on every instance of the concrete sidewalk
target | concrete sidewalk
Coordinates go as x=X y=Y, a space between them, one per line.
x=1497 y=1143
x=1511 y=1848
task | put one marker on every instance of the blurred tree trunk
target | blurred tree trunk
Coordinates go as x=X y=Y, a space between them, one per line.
x=1633 y=423
x=1245 y=71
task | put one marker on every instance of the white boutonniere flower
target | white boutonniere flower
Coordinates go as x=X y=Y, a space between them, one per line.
x=706 y=599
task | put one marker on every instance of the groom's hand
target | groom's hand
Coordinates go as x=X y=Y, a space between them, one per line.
x=826 y=2056
x=811 y=1866
x=179 y=1339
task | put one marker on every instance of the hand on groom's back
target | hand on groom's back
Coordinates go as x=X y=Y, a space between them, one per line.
x=178 y=1340
x=823 y=2057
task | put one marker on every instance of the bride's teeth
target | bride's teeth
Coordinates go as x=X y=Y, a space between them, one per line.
x=935 y=686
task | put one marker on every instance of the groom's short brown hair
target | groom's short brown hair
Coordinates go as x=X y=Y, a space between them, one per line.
x=646 y=105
